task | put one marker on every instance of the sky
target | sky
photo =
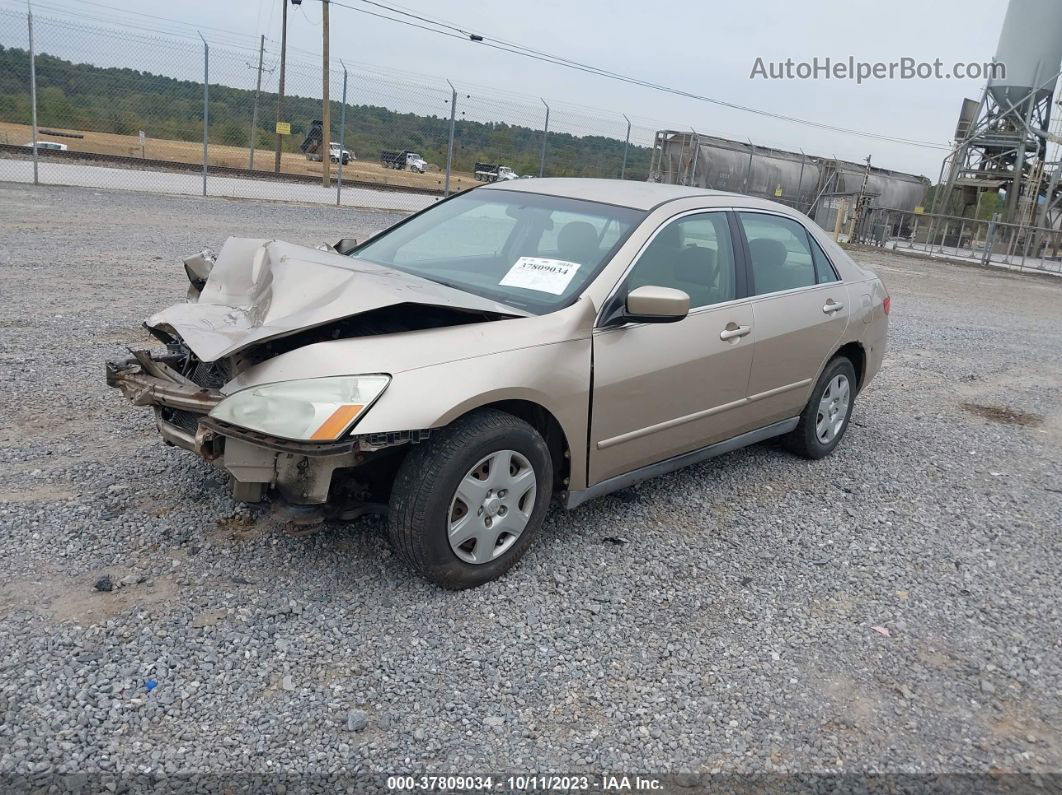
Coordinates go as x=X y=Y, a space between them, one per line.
x=705 y=47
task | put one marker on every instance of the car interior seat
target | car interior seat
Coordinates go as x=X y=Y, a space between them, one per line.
x=768 y=265
x=696 y=273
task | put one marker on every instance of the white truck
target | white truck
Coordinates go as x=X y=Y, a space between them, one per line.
x=335 y=154
x=492 y=172
x=403 y=160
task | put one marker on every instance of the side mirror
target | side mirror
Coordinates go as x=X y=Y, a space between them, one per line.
x=346 y=245
x=197 y=268
x=651 y=304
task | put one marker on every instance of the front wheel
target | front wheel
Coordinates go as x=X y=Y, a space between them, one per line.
x=466 y=504
x=826 y=416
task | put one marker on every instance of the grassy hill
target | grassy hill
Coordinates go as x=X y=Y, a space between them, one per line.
x=123 y=101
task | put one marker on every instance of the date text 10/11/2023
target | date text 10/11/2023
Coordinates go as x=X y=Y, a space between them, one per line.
x=525 y=783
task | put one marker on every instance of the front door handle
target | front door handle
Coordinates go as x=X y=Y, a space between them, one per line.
x=732 y=331
x=832 y=306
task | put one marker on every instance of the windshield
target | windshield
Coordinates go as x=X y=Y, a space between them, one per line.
x=527 y=250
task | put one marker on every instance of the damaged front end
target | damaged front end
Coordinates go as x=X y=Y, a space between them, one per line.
x=299 y=474
x=158 y=381
x=291 y=439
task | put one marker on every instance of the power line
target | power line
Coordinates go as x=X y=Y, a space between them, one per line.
x=457 y=32
x=126 y=26
x=167 y=19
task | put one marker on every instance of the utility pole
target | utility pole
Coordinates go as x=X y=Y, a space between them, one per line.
x=254 y=113
x=326 y=126
x=280 y=93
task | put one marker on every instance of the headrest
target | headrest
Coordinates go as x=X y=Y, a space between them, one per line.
x=768 y=252
x=671 y=236
x=577 y=241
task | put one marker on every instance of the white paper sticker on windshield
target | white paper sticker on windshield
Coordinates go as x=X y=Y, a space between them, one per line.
x=540 y=273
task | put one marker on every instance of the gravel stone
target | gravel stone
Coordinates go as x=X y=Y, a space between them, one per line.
x=357 y=720
x=937 y=517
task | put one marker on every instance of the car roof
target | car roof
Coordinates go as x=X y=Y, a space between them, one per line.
x=622 y=192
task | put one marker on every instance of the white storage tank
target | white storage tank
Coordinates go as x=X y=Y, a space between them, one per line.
x=1030 y=45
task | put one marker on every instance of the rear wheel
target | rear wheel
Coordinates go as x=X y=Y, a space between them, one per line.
x=826 y=416
x=467 y=504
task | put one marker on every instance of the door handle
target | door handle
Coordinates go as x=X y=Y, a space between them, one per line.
x=832 y=306
x=730 y=333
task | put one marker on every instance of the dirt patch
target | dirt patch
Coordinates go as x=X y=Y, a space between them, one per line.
x=75 y=600
x=240 y=527
x=1003 y=415
x=38 y=494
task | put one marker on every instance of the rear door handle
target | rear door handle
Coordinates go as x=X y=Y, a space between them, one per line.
x=832 y=306
x=737 y=331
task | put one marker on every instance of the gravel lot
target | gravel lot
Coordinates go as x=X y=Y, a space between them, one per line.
x=736 y=630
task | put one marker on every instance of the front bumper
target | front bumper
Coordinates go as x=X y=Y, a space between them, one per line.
x=261 y=466
x=298 y=472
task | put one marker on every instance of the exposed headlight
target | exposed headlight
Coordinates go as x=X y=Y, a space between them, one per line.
x=317 y=409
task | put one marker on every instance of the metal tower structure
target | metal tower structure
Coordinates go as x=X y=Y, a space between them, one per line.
x=1001 y=142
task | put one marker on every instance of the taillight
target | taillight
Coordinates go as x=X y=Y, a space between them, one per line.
x=887 y=304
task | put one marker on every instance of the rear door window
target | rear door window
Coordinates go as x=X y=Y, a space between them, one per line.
x=824 y=271
x=780 y=253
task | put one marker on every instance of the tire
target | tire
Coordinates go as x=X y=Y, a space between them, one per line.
x=427 y=505
x=819 y=432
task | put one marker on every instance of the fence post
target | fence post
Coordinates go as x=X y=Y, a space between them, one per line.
x=206 y=108
x=342 y=134
x=695 y=156
x=254 y=113
x=450 y=145
x=545 y=133
x=990 y=236
x=33 y=93
x=626 y=144
x=748 y=171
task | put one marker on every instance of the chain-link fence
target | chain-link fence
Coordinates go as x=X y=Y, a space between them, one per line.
x=121 y=107
x=88 y=102
x=1014 y=246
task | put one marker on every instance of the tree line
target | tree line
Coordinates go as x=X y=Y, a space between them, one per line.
x=125 y=101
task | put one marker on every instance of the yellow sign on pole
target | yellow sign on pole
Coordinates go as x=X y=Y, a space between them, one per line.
x=919 y=210
x=283 y=128
x=778 y=191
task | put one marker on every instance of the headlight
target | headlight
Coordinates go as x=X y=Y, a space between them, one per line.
x=317 y=409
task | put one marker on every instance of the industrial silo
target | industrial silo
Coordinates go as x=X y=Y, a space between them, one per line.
x=1030 y=47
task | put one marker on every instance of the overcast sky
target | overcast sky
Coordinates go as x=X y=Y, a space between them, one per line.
x=704 y=47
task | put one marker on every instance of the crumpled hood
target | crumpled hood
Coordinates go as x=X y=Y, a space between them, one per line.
x=261 y=289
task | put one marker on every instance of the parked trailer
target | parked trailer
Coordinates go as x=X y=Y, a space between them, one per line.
x=493 y=172
x=403 y=160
